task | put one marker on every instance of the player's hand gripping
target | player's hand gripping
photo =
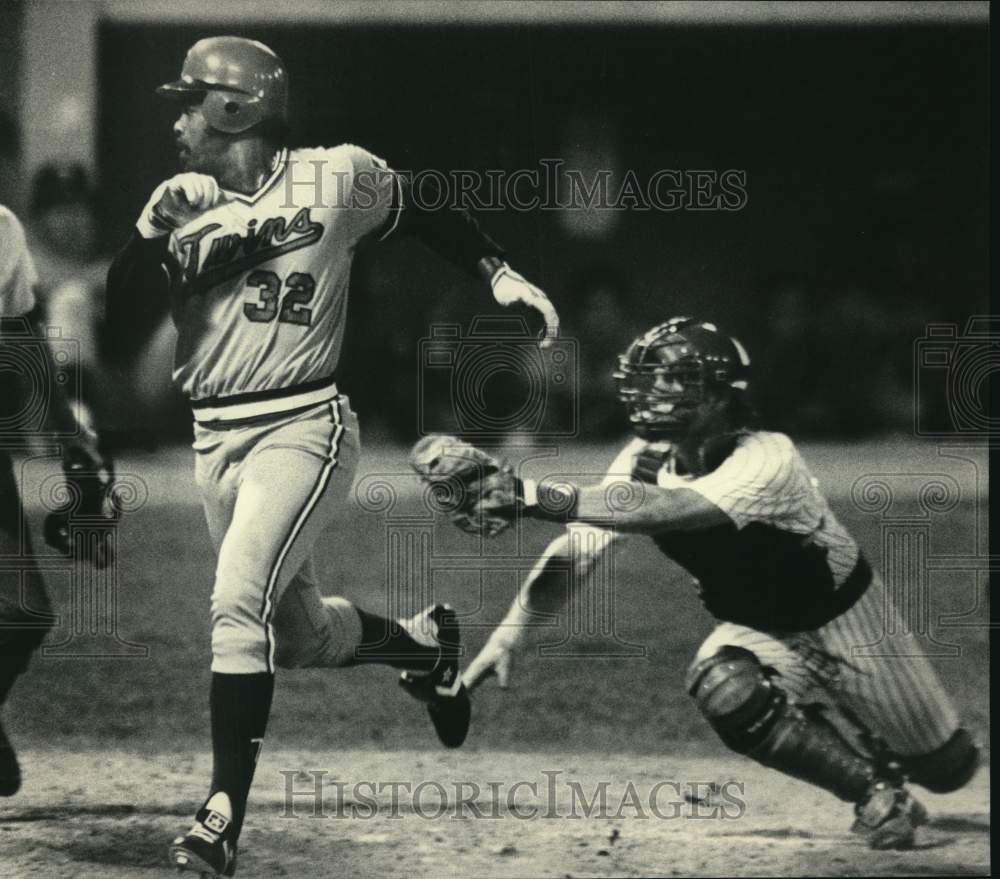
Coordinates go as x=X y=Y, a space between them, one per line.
x=88 y=480
x=177 y=201
x=496 y=659
x=510 y=287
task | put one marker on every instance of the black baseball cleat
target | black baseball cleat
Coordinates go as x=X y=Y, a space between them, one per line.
x=205 y=848
x=889 y=817
x=441 y=688
x=10 y=770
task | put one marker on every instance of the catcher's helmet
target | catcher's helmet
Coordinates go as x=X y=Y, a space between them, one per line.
x=664 y=374
x=243 y=81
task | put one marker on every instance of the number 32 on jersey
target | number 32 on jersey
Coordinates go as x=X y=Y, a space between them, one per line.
x=290 y=308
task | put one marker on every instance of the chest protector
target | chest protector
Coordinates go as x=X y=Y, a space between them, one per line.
x=759 y=576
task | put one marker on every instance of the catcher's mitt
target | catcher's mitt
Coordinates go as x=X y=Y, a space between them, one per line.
x=479 y=492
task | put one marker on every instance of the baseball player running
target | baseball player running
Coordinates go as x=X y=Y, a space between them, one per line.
x=251 y=247
x=737 y=507
x=25 y=610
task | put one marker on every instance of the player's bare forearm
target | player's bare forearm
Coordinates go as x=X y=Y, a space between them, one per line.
x=660 y=509
x=544 y=589
x=564 y=564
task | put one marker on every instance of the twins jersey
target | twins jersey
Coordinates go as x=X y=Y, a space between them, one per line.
x=259 y=282
x=783 y=562
x=17 y=271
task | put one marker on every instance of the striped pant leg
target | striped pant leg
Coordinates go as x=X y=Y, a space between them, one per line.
x=796 y=677
x=898 y=697
x=292 y=483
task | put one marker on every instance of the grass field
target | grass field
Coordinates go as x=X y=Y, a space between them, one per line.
x=115 y=747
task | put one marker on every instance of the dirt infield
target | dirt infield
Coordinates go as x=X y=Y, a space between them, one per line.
x=113 y=725
x=109 y=816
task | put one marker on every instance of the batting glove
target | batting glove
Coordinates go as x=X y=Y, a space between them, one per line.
x=510 y=287
x=177 y=201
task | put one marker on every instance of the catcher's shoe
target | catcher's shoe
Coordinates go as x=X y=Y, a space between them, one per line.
x=10 y=770
x=206 y=847
x=889 y=818
x=441 y=688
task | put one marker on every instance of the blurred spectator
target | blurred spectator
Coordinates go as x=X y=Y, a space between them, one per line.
x=130 y=401
x=62 y=236
x=601 y=326
x=787 y=366
x=862 y=375
x=829 y=364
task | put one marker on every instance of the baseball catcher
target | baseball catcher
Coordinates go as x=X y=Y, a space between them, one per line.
x=791 y=590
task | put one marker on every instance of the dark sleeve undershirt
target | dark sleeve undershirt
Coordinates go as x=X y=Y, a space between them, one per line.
x=450 y=232
x=137 y=296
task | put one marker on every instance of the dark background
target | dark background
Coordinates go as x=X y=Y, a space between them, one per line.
x=866 y=160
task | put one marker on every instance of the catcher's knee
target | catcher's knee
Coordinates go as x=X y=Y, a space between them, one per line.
x=734 y=693
x=946 y=768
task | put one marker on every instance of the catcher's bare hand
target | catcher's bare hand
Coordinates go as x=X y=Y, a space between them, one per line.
x=496 y=659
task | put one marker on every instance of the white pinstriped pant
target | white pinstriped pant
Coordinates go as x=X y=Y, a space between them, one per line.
x=897 y=697
x=269 y=491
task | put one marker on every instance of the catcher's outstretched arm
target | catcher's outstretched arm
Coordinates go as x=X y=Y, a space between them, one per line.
x=661 y=509
x=566 y=562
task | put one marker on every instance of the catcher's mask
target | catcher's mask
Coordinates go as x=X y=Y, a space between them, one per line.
x=669 y=371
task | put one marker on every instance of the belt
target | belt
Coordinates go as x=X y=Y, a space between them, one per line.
x=212 y=411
